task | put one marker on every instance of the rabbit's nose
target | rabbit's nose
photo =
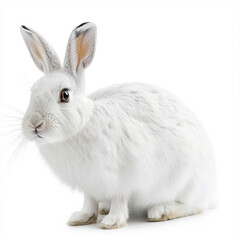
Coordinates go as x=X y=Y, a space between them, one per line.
x=38 y=127
x=37 y=121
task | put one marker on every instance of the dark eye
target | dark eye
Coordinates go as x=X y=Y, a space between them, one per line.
x=64 y=95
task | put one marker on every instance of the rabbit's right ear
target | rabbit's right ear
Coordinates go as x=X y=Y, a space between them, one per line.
x=80 y=48
x=42 y=53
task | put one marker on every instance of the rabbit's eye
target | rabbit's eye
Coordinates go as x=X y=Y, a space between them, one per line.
x=64 y=95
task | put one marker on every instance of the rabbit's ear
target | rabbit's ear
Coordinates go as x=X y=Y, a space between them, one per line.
x=42 y=53
x=80 y=48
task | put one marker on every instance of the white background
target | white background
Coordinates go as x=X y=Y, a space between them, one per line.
x=188 y=47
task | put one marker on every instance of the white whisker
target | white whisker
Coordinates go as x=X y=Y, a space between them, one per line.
x=14 y=109
x=15 y=154
x=27 y=81
x=10 y=132
x=15 y=118
x=11 y=142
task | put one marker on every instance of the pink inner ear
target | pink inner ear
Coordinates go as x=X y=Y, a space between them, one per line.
x=36 y=51
x=81 y=49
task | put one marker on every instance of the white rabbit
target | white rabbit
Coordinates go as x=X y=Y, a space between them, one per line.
x=129 y=147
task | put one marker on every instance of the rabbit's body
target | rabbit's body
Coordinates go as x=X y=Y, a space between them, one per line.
x=140 y=142
x=127 y=146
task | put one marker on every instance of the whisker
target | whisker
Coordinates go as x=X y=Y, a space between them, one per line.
x=11 y=142
x=10 y=124
x=27 y=81
x=19 y=143
x=29 y=85
x=15 y=154
x=7 y=117
x=13 y=108
x=9 y=132
x=15 y=126
x=12 y=121
x=26 y=144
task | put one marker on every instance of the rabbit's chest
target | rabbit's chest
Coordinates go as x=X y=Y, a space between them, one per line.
x=82 y=167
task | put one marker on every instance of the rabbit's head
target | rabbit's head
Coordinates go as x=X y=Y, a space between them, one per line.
x=58 y=108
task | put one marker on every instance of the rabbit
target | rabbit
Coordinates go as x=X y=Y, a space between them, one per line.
x=130 y=147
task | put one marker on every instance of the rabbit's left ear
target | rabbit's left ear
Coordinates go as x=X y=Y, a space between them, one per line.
x=80 y=48
x=42 y=53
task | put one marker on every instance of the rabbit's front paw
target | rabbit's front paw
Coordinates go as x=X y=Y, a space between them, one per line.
x=113 y=221
x=81 y=218
x=155 y=213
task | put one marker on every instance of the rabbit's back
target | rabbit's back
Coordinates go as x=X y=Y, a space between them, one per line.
x=145 y=103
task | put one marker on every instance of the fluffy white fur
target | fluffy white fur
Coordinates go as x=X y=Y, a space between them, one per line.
x=129 y=147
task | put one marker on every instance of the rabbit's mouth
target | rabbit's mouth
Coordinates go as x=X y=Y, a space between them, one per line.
x=36 y=133
x=39 y=136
